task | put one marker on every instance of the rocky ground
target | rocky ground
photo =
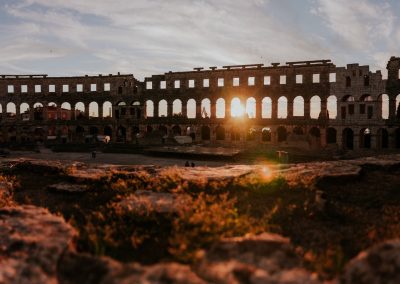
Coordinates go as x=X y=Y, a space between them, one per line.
x=72 y=222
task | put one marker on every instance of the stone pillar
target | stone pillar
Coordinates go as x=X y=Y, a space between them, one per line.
x=290 y=108
x=184 y=109
x=392 y=108
x=58 y=113
x=198 y=110
x=213 y=108
x=324 y=108
x=129 y=134
x=73 y=113
x=307 y=110
x=155 y=109
x=227 y=109
x=169 y=109
x=31 y=113
x=274 y=109
x=17 y=113
x=87 y=111
x=259 y=109
x=101 y=112
x=322 y=137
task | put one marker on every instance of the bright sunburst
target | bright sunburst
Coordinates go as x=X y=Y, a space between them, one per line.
x=237 y=110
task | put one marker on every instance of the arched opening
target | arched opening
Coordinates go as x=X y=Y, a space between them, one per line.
x=282 y=107
x=38 y=111
x=176 y=130
x=235 y=134
x=384 y=99
x=331 y=106
x=266 y=134
x=315 y=107
x=108 y=133
x=266 y=107
x=149 y=108
x=52 y=111
x=149 y=129
x=163 y=108
x=93 y=110
x=365 y=138
x=251 y=134
x=281 y=133
x=191 y=108
x=331 y=135
x=205 y=108
x=298 y=106
x=237 y=109
x=220 y=108
x=177 y=108
x=220 y=133
x=80 y=110
x=11 y=110
x=24 y=111
x=251 y=107
x=383 y=138
x=66 y=111
x=121 y=134
x=315 y=135
x=12 y=134
x=348 y=138
x=205 y=133
x=366 y=98
x=93 y=130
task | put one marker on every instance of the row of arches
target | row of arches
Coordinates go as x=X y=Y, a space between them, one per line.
x=63 y=111
x=236 y=108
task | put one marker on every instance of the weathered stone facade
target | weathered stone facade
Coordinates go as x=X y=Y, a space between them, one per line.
x=313 y=103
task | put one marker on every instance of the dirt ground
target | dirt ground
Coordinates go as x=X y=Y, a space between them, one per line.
x=111 y=158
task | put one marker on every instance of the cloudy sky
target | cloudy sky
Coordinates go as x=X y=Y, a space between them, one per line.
x=145 y=37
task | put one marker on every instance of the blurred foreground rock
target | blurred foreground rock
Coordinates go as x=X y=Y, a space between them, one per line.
x=379 y=264
x=266 y=258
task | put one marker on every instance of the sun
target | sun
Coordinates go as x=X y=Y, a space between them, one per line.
x=237 y=110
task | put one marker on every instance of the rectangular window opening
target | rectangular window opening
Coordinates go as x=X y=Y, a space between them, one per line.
x=220 y=82
x=251 y=81
x=149 y=85
x=93 y=87
x=52 y=88
x=65 y=88
x=282 y=79
x=38 y=88
x=315 y=78
x=299 y=79
x=163 y=84
x=191 y=83
x=107 y=87
x=79 y=88
x=177 y=84
x=267 y=80
x=10 y=89
x=332 y=77
x=206 y=83
x=236 y=81
x=24 y=89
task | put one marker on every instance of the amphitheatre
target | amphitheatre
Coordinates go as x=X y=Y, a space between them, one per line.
x=311 y=103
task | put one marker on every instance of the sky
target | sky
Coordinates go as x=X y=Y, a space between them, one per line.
x=146 y=37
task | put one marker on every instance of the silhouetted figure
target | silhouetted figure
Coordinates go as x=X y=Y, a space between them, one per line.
x=187 y=164
x=192 y=164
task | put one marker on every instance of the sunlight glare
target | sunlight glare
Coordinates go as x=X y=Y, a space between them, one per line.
x=237 y=110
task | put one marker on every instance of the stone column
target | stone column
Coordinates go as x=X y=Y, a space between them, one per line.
x=307 y=106
x=184 y=109
x=290 y=108
x=259 y=109
x=101 y=112
x=198 y=110
x=213 y=108
x=324 y=108
x=155 y=112
x=392 y=108
x=322 y=137
x=87 y=111
x=274 y=109
x=58 y=113
x=169 y=109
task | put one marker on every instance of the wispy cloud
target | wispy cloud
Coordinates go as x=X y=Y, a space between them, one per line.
x=147 y=37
